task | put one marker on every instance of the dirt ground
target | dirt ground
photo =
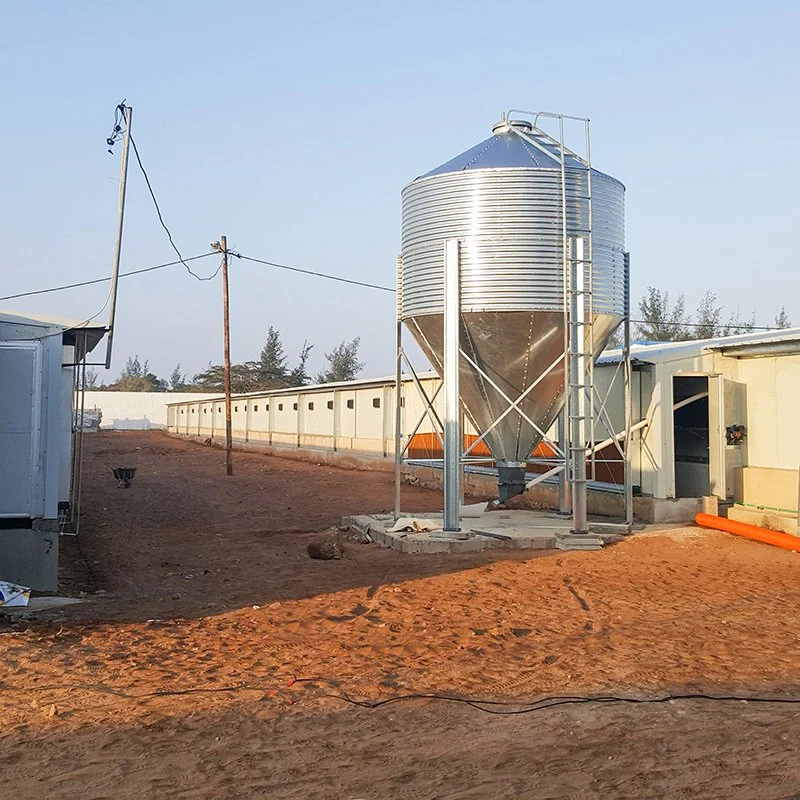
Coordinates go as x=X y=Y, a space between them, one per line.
x=212 y=658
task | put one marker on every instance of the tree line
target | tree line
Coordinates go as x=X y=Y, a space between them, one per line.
x=270 y=371
x=664 y=320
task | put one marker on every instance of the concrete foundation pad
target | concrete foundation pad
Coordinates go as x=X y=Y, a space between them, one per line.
x=518 y=529
x=578 y=541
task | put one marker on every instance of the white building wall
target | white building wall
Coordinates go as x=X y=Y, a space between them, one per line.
x=136 y=410
x=773 y=389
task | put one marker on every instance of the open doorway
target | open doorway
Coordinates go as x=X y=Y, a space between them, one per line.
x=690 y=431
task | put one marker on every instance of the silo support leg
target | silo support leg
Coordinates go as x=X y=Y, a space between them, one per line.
x=453 y=443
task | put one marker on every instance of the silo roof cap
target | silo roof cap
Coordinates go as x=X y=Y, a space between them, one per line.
x=506 y=149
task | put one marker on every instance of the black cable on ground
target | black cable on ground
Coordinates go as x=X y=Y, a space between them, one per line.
x=488 y=706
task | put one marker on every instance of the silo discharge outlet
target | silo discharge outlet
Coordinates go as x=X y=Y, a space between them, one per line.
x=510 y=481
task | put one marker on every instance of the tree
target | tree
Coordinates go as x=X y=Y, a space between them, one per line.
x=136 y=377
x=90 y=379
x=736 y=326
x=782 y=320
x=272 y=361
x=177 y=380
x=660 y=321
x=343 y=363
x=708 y=315
x=298 y=376
x=244 y=378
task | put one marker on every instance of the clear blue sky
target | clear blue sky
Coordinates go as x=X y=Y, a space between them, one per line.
x=292 y=128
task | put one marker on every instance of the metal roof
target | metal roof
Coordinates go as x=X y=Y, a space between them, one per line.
x=746 y=345
x=361 y=383
x=92 y=332
x=44 y=321
x=503 y=151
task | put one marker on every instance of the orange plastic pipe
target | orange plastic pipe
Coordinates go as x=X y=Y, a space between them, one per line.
x=785 y=540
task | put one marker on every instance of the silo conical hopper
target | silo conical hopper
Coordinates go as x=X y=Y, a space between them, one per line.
x=503 y=200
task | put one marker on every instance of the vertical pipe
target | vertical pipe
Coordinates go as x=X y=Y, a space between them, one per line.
x=336 y=420
x=452 y=434
x=564 y=501
x=398 y=418
x=628 y=399
x=462 y=473
x=123 y=181
x=577 y=346
x=73 y=469
x=590 y=310
x=80 y=437
x=398 y=389
x=227 y=358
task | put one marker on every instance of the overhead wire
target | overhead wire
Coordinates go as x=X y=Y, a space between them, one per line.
x=277 y=265
x=316 y=274
x=117 y=133
x=102 y=280
x=61 y=330
x=746 y=327
x=161 y=219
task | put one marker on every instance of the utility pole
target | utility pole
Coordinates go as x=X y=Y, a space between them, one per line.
x=227 y=334
x=123 y=179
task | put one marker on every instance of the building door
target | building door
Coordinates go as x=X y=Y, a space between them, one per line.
x=691 y=435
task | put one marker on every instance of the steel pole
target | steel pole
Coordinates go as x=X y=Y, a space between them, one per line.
x=628 y=399
x=453 y=444
x=123 y=181
x=577 y=346
x=227 y=358
x=398 y=388
x=564 y=501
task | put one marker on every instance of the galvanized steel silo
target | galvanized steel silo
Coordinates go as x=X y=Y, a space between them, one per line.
x=503 y=200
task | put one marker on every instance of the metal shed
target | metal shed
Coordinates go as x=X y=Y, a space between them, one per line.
x=39 y=359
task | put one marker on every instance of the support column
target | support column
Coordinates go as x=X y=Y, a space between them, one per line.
x=626 y=350
x=453 y=442
x=398 y=418
x=577 y=398
x=564 y=495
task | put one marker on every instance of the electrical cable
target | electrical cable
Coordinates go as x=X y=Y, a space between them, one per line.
x=314 y=273
x=488 y=706
x=704 y=325
x=63 y=329
x=117 y=134
x=161 y=218
x=102 y=280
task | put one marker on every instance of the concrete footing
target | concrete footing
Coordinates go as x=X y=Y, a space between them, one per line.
x=517 y=529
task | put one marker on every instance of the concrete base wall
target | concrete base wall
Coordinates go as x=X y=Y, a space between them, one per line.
x=767 y=487
x=30 y=558
x=764 y=519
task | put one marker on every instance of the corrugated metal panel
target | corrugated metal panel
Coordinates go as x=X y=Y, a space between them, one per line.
x=509 y=222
